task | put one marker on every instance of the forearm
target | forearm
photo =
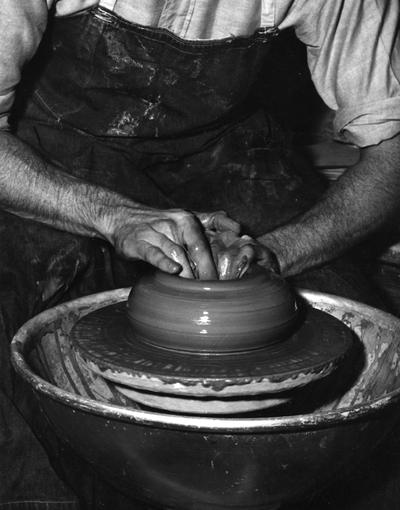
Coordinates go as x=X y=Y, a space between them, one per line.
x=34 y=189
x=355 y=206
x=172 y=240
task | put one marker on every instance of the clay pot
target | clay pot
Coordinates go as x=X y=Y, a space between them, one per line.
x=211 y=316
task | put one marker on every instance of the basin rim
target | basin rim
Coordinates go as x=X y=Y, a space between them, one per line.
x=192 y=423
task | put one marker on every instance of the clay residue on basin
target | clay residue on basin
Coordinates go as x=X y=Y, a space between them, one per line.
x=375 y=377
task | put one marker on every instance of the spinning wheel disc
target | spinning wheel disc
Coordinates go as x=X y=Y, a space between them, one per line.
x=106 y=342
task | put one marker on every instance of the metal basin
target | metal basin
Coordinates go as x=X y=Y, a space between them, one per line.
x=189 y=462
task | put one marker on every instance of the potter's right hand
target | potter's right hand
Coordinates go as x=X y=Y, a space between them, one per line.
x=171 y=240
x=234 y=254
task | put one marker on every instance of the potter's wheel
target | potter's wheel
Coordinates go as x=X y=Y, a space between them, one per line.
x=169 y=460
x=169 y=378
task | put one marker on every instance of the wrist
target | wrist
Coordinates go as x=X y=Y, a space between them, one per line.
x=111 y=213
x=286 y=252
x=271 y=242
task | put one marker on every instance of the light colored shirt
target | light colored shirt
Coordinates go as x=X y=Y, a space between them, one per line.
x=353 y=46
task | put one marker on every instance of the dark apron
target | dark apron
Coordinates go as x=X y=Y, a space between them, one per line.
x=168 y=122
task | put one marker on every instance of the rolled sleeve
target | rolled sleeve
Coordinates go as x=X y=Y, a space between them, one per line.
x=353 y=51
x=369 y=123
x=22 y=23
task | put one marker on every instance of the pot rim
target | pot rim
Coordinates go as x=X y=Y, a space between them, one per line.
x=247 y=283
x=38 y=324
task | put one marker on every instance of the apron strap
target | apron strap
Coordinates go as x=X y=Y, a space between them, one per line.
x=268 y=13
x=107 y=4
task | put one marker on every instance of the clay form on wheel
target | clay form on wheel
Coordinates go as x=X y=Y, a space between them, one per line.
x=211 y=316
x=168 y=357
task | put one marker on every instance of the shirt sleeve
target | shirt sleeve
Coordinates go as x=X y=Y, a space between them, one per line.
x=22 y=24
x=353 y=49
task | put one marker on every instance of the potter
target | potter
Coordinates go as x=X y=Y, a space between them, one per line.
x=126 y=127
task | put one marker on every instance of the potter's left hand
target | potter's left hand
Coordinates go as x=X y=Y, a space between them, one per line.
x=234 y=254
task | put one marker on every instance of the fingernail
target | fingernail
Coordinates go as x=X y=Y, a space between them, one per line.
x=175 y=268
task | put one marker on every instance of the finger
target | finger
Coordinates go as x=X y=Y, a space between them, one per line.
x=235 y=262
x=220 y=221
x=158 y=249
x=242 y=266
x=239 y=253
x=173 y=251
x=157 y=258
x=215 y=245
x=168 y=231
x=229 y=238
x=225 y=247
x=198 y=249
x=224 y=222
x=224 y=266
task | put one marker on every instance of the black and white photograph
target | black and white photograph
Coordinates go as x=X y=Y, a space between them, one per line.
x=199 y=255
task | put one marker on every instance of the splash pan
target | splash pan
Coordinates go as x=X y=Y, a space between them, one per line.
x=193 y=462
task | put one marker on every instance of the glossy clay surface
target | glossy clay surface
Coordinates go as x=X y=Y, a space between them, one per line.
x=211 y=316
x=105 y=342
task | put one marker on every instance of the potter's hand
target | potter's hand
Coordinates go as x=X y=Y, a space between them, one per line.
x=172 y=240
x=218 y=222
x=233 y=254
